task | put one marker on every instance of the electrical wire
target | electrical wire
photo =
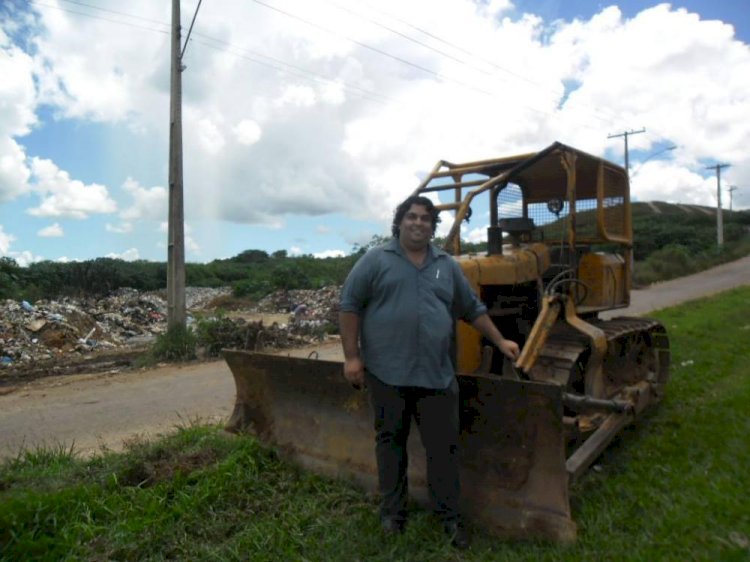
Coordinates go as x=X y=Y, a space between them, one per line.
x=93 y=16
x=149 y=20
x=297 y=71
x=610 y=117
x=401 y=59
x=367 y=95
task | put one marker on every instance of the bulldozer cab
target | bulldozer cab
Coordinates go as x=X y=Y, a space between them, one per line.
x=575 y=204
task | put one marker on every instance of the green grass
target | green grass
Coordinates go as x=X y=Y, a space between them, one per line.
x=672 y=487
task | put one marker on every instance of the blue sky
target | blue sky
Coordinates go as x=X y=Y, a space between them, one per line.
x=306 y=122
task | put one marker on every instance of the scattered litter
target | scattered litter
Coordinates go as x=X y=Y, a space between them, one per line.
x=62 y=330
x=687 y=363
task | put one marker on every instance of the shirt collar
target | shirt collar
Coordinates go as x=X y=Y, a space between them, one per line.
x=433 y=251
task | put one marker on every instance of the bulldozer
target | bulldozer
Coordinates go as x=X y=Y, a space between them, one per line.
x=559 y=254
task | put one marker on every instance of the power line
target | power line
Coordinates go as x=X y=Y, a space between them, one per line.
x=404 y=35
x=609 y=115
x=398 y=58
x=371 y=48
x=366 y=94
x=444 y=41
x=363 y=93
x=297 y=71
x=94 y=16
x=149 y=20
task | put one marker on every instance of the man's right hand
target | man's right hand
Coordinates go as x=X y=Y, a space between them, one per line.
x=354 y=372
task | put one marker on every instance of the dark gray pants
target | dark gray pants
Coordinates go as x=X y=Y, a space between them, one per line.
x=436 y=413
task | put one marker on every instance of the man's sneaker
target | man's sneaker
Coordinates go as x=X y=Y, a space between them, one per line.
x=458 y=534
x=392 y=526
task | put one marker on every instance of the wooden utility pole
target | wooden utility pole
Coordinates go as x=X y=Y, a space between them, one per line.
x=627 y=157
x=719 y=217
x=176 y=234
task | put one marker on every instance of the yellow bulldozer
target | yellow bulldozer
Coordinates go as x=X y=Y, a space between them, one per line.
x=559 y=253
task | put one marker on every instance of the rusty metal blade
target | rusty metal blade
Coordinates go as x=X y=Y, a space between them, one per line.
x=513 y=476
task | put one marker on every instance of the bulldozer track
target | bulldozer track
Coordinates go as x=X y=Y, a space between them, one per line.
x=565 y=346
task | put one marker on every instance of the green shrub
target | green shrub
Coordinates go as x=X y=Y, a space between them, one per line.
x=176 y=344
x=672 y=260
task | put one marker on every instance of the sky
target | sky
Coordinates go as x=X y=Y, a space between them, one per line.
x=306 y=121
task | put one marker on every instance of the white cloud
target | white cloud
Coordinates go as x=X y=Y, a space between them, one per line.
x=329 y=254
x=5 y=241
x=209 y=135
x=66 y=197
x=17 y=117
x=51 y=231
x=295 y=251
x=670 y=182
x=128 y=255
x=299 y=96
x=14 y=173
x=25 y=258
x=247 y=132
x=148 y=203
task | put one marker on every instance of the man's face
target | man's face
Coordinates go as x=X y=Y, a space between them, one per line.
x=415 y=229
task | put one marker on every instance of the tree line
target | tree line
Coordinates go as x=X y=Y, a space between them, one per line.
x=666 y=245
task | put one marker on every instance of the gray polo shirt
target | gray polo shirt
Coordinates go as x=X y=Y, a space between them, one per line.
x=408 y=314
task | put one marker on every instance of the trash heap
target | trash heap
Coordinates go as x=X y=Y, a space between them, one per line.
x=58 y=328
x=319 y=306
x=69 y=328
x=312 y=317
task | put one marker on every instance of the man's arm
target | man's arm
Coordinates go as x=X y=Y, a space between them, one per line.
x=354 y=368
x=488 y=329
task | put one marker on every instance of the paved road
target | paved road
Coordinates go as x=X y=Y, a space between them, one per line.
x=89 y=411
x=676 y=291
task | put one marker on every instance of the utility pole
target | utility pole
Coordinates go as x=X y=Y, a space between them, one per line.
x=719 y=217
x=732 y=189
x=626 y=134
x=176 y=229
x=176 y=218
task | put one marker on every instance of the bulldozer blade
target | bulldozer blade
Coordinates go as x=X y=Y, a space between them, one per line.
x=512 y=455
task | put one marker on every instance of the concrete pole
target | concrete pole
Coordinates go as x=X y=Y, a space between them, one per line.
x=731 y=190
x=176 y=230
x=719 y=214
x=626 y=134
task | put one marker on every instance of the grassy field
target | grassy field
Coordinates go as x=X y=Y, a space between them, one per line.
x=673 y=487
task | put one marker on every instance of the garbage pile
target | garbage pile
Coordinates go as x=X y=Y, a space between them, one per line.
x=312 y=316
x=63 y=329
x=319 y=306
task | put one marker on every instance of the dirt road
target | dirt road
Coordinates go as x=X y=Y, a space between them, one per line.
x=90 y=411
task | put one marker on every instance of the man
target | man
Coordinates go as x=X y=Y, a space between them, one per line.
x=399 y=305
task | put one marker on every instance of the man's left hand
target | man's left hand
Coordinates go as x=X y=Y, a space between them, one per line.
x=510 y=349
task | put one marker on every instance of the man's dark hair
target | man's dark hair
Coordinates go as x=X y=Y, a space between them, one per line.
x=404 y=207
